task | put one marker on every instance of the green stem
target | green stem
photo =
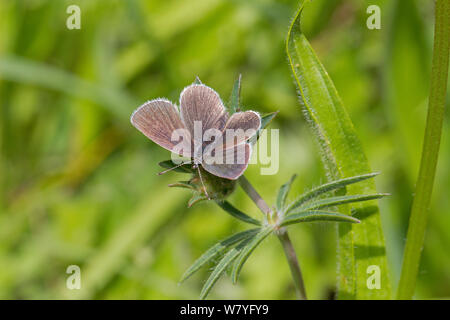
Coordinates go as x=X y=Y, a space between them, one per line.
x=293 y=264
x=421 y=204
x=254 y=195
x=289 y=251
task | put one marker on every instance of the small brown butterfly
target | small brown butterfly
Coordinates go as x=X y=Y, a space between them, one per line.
x=200 y=109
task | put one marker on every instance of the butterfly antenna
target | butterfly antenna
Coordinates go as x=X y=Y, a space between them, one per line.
x=201 y=180
x=170 y=169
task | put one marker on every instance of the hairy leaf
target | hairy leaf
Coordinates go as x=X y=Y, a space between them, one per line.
x=336 y=201
x=316 y=215
x=327 y=187
x=283 y=193
x=250 y=246
x=360 y=245
x=227 y=259
x=217 y=250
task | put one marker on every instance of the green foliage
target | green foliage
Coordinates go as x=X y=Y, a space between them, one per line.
x=79 y=185
x=430 y=152
x=234 y=105
x=218 y=249
x=283 y=193
x=343 y=155
x=238 y=214
x=316 y=215
x=284 y=216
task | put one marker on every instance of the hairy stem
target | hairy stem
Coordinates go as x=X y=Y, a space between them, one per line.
x=289 y=251
x=436 y=106
x=293 y=264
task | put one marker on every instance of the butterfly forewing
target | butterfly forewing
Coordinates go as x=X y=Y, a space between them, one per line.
x=160 y=122
x=201 y=104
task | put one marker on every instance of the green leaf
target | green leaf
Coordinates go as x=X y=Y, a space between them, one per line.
x=217 y=250
x=227 y=259
x=196 y=198
x=327 y=187
x=266 y=119
x=168 y=164
x=229 y=208
x=197 y=80
x=359 y=245
x=182 y=184
x=245 y=253
x=421 y=206
x=283 y=193
x=235 y=96
x=339 y=200
x=310 y=216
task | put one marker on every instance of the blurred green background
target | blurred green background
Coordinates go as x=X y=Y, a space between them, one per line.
x=78 y=183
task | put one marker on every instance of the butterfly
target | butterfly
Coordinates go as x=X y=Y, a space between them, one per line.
x=188 y=131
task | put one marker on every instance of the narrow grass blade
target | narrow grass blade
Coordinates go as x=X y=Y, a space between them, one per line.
x=245 y=253
x=235 y=96
x=430 y=151
x=217 y=250
x=227 y=259
x=229 y=208
x=343 y=156
x=283 y=193
x=25 y=71
x=324 y=216
x=339 y=200
x=327 y=187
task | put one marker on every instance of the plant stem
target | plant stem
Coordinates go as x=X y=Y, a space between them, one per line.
x=254 y=195
x=436 y=107
x=289 y=251
x=293 y=264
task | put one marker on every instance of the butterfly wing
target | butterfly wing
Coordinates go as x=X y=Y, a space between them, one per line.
x=240 y=127
x=235 y=152
x=160 y=121
x=201 y=103
x=234 y=163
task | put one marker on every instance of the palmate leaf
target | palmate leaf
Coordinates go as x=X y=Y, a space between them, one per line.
x=217 y=250
x=327 y=187
x=247 y=250
x=343 y=156
x=283 y=193
x=336 y=201
x=316 y=215
x=227 y=259
x=229 y=208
